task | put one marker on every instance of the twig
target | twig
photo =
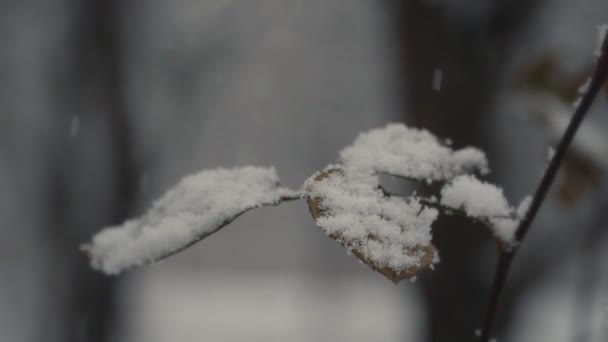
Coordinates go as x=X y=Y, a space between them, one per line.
x=294 y=197
x=506 y=256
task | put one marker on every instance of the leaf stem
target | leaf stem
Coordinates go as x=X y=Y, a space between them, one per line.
x=506 y=256
x=291 y=197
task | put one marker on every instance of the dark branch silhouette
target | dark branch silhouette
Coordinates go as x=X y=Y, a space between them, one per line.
x=506 y=256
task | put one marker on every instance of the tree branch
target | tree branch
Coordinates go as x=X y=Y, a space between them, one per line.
x=506 y=256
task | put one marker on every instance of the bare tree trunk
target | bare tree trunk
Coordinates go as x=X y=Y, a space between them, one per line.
x=90 y=89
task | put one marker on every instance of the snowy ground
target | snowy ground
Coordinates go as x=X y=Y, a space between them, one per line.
x=269 y=306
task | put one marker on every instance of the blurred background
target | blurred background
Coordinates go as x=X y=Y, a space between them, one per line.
x=105 y=104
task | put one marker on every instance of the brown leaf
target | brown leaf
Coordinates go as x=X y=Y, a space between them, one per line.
x=429 y=252
x=546 y=74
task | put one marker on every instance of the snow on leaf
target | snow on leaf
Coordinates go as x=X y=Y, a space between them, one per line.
x=410 y=153
x=484 y=201
x=197 y=207
x=477 y=198
x=391 y=235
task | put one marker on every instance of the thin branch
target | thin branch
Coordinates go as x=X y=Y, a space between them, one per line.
x=294 y=197
x=597 y=80
x=503 y=264
x=506 y=256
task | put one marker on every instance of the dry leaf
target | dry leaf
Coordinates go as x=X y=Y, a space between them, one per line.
x=428 y=254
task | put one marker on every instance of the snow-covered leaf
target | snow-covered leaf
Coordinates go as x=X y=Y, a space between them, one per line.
x=485 y=202
x=410 y=153
x=197 y=207
x=391 y=235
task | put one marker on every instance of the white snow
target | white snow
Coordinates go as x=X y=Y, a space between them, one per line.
x=411 y=153
x=601 y=35
x=550 y=153
x=585 y=86
x=475 y=197
x=437 y=79
x=524 y=205
x=198 y=206
x=387 y=231
x=484 y=201
x=74 y=126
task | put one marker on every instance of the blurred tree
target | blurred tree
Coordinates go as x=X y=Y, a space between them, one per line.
x=92 y=175
x=470 y=46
